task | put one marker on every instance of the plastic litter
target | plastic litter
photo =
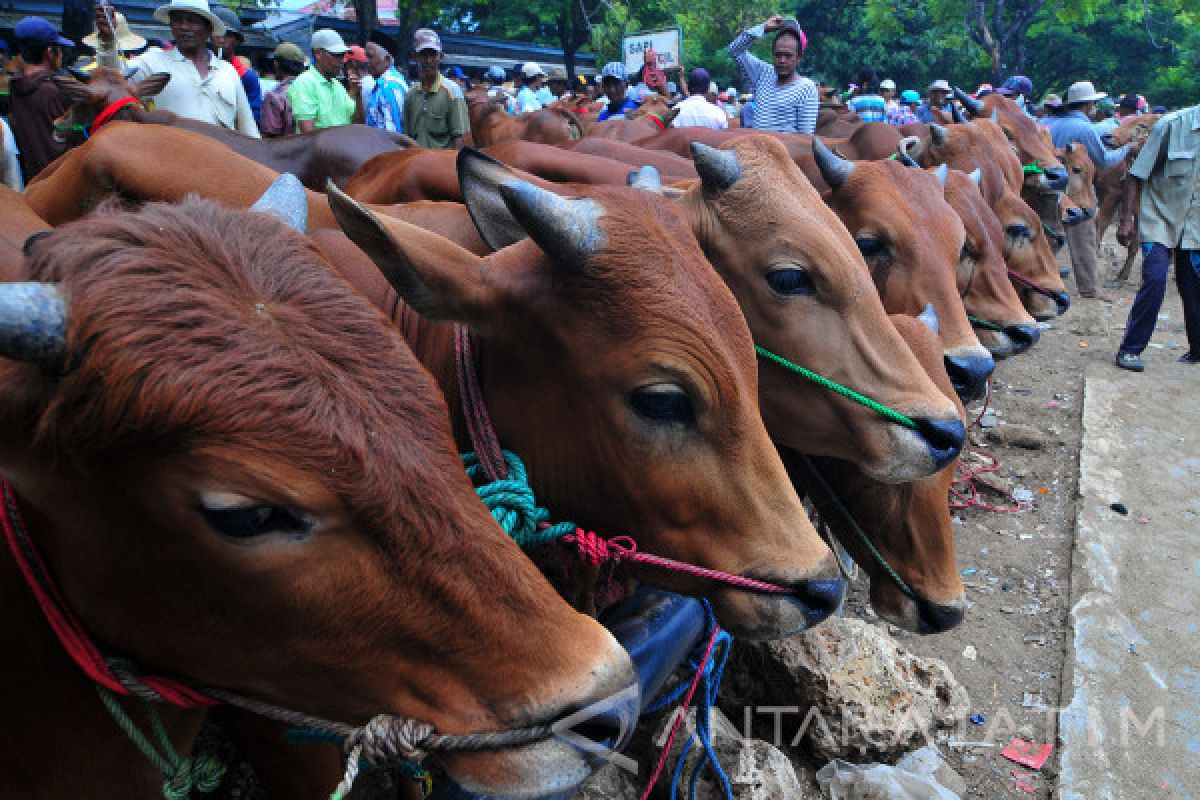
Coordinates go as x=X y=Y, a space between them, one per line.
x=1053 y=404
x=1022 y=495
x=1027 y=754
x=969 y=652
x=1120 y=508
x=978 y=719
x=911 y=779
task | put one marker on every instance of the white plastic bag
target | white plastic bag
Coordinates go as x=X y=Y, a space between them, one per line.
x=911 y=779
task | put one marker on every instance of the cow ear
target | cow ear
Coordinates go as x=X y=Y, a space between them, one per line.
x=435 y=276
x=151 y=85
x=76 y=90
x=480 y=177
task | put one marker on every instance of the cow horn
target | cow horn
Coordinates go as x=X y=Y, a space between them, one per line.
x=33 y=324
x=957 y=114
x=286 y=199
x=930 y=318
x=976 y=176
x=718 y=169
x=937 y=134
x=646 y=179
x=834 y=169
x=974 y=107
x=568 y=230
x=941 y=173
x=905 y=159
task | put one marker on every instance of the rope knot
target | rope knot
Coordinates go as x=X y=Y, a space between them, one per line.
x=597 y=550
x=387 y=739
x=510 y=501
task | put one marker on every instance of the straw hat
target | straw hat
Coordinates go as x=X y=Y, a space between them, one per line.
x=198 y=7
x=127 y=40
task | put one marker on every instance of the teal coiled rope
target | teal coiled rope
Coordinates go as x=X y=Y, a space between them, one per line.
x=837 y=388
x=512 y=504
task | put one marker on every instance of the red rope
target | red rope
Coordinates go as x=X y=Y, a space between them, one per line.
x=1016 y=276
x=70 y=632
x=963 y=491
x=110 y=111
x=687 y=702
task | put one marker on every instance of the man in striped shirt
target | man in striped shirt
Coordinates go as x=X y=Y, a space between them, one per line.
x=783 y=100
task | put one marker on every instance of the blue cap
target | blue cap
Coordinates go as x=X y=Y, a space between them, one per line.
x=494 y=74
x=455 y=72
x=613 y=69
x=910 y=96
x=39 y=31
x=1017 y=84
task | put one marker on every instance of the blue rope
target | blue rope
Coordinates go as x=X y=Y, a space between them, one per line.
x=512 y=504
x=706 y=698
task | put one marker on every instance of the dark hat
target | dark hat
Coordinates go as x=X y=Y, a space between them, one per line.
x=455 y=72
x=1017 y=84
x=233 y=25
x=1128 y=101
x=39 y=31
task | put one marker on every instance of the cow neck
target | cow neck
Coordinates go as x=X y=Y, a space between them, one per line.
x=48 y=699
x=109 y=112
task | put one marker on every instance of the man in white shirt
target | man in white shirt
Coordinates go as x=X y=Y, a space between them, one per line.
x=202 y=86
x=696 y=111
x=527 y=98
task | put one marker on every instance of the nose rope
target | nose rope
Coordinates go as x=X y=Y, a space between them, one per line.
x=1021 y=279
x=854 y=526
x=837 y=388
x=983 y=323
x=502 y=483
x=1033 y=169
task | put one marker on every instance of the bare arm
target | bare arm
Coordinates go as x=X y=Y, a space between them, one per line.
x=1131 y=198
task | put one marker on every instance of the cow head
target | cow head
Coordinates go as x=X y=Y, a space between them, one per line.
x=1030 y=140
x=1027 y=252
x=982 y=276
x=911 y=240
x=979 y=145
x=1131 y=129
x=908 y=524
x=802 y=284
x=240 y=474
x=105 y=87
x=602 y=321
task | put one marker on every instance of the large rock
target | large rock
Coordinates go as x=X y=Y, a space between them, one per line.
x=1017 y=435
x=846 y=689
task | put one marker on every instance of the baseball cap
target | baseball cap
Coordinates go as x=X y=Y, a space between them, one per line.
x=1128 y=101
x=286 y=51
x=426 y=39
x=910 y=96
x=531 y=70
x=233 y=25
x=494 y=74
x=793 y=27
x=887 y=83
x=1016 y=84
x=613 y=69
x=356 y=53
x=455 y=72
x=38 y=30
x=328 y=40
x=939 y=85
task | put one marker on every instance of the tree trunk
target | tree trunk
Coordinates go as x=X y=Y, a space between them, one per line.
x=366 y=16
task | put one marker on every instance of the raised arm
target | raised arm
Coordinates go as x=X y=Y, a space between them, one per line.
x=739 y=50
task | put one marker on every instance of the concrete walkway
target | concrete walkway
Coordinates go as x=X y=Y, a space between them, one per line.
x=1130 y=728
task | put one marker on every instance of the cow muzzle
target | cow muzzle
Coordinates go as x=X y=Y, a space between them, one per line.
x=944 y=439
x=776 y=616
x=969 y=372
x=1054 y=180
x=1023 y=336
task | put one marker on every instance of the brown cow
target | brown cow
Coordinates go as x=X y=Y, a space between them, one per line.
x=491 y=124
x=1110 y=188
x=869 y=142
x=911 y=239
x=982 y=276
x=671 y=167
x=1030 y=141
x=17 y=223
x=1077 y=205
x=607 y=339
x=909 y=524
x=327 y=154
x=239 y=475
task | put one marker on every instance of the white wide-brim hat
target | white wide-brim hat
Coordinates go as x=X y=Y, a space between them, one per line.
x=1083 y=92
x=198 y=7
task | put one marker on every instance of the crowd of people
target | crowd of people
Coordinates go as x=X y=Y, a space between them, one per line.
x=342 y=84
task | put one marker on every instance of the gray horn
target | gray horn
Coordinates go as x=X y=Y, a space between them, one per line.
x=929 y=317
x=834 y=169
x=974 y=107
x=286 y=199
x=938 y=135
x=567 y=230
x=718 y=169
x=942 y=173
x=976 y=176
x=33 y=324
x=905 y=159
x=646 y=179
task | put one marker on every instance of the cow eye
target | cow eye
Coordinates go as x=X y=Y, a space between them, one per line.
x=791 y=281
x=1019 y=231
x=248 y=522
x=663 y=404
x=871 y=247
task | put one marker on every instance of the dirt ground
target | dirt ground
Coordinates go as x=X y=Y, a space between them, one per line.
x=1009 y=651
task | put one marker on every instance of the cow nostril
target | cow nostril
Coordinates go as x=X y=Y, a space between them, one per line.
x=936 y=618
x=943 y=437
x=818 y=598
x=1056 y=178
x=969 y=374
x=605 y=730
x=1063 y=301
x=1023 y=336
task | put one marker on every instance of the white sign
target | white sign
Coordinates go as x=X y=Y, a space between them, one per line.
x=667 y=45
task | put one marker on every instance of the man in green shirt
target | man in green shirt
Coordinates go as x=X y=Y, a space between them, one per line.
x=435 y=111
x=318 y=98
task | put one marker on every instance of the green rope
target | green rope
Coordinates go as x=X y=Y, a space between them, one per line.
x=511 y=503
x=983 y=323
x=862 y=535
x=181 y=774
x=1033 y=169
x=833 y=386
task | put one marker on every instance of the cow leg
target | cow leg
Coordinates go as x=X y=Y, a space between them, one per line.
x=1131 y=254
